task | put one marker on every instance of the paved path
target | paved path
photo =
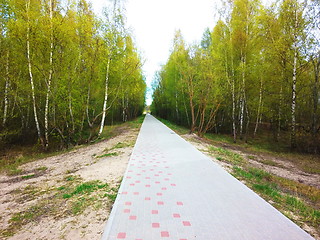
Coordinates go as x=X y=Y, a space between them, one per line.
x=173 y=191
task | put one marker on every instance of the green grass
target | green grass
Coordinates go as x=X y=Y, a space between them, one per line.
x=136 y=123
x=19 y=155
x=108 y=155
x=178 y=129
x=85 y=188
x=298 y=201
x=28 y=176
x=120 y=145
x=227 y=155
x=283 y=193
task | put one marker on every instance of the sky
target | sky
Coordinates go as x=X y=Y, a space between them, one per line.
x=154 y=22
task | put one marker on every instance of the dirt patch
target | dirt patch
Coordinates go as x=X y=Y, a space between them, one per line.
x=68 y=196
x=278 y=166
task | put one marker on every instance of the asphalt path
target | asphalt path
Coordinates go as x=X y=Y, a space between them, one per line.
x=172 y=191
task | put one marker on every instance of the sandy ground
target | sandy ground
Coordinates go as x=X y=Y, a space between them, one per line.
x=20 y=195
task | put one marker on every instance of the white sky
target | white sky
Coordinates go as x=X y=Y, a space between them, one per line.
x=153 y=23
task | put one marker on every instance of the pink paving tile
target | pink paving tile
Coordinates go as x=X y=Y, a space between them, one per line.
x=164 y=234
x=136 y=193
x=160 y=203
x=156 y=175
x=173 y=184
x=160 y=172
x=155 y=225
x=179 y=203
x=166 y=179
x=186 y=223
x=148 y=185
x=176 y=215
x=132 y=184
x=138 y=174
x=130 y=171
x=128 y=203
x=128 y=177
x=164 y=188
x=137 y=181
x=169 y=174
x=154 y=212
x=124 y=193
x=147 y=177
x=121 y=235
x=157 y=182
x=159 y=194
x=133 y=218
x=126 y=210
x=147 y=198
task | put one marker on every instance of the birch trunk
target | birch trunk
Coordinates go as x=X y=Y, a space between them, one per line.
x=315 y=100
x=294 y=82
x=31 y=75
x=6 y=93
x=259 y=109
x=280 y=113
x=46 y=113
x=104 y=110
x=234 y=130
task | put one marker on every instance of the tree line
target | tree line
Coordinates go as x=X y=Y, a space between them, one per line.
x=256 y=71
x=64 y=72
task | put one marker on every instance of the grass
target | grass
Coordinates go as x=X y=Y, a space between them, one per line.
x=108 y=155
x=85 y=188
x=178 y=129
x=270 y=163
x=15 y=156
x=28 y=176
x=286 y=195
x=227 y=155
x=71 y=198
x=298 y=201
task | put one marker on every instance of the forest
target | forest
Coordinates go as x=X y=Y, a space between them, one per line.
x=255 y=73
x=65 y=73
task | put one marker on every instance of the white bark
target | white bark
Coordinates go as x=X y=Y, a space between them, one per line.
x=30 y=73
x=104 y=110
x=280 y=113
x=294 y=82
x=6 y=93
x=46 y=113
x=259 y=109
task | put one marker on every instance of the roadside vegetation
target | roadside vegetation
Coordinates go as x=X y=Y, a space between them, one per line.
x=66 y=73
x=297 y=200
x=256 y=72
x=16 y=156
x=69 y=195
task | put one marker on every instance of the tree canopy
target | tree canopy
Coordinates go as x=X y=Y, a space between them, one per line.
x=257 y=70
x=65 y=72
